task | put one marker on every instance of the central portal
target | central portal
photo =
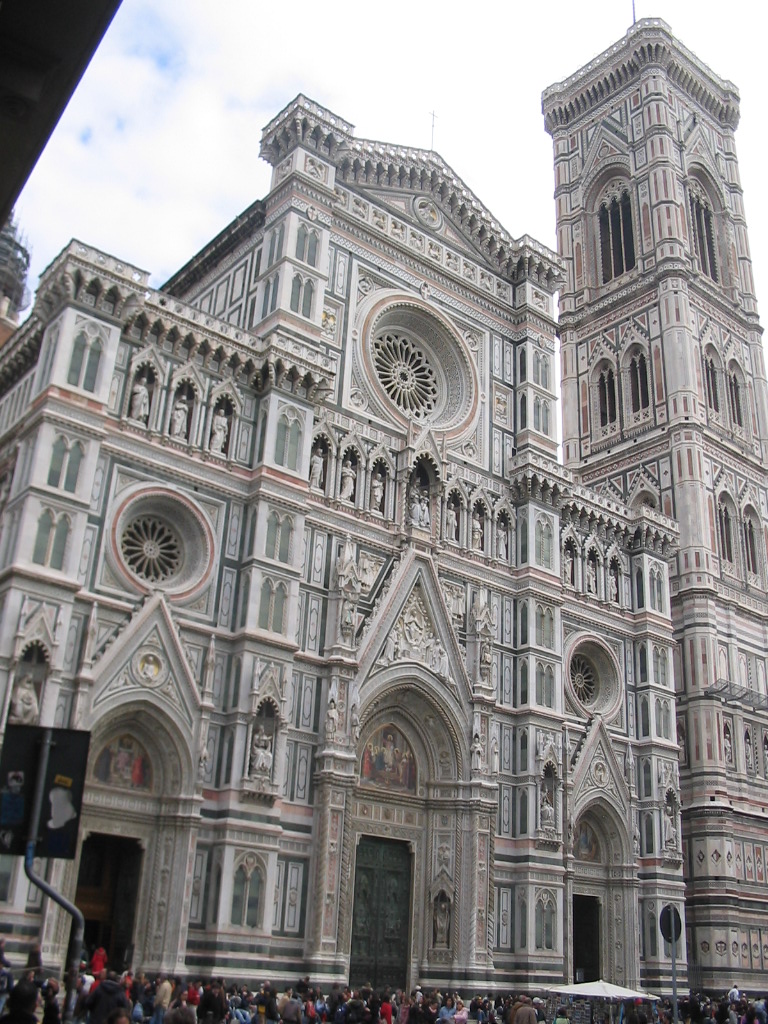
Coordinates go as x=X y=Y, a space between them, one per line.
x=381 y=914
x=107 y=890
x=586 y=938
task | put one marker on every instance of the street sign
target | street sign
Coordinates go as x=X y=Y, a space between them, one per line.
x=669 y=921
x=63 y=790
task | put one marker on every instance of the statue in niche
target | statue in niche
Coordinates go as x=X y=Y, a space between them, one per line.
x=316 y=470
x=441 y=921
x=414 y=506
x=202 y=764
x=354 y=722
x=547 y=811
x=568 y=566
x=451 y=522
x=613 y=588
x=477 y=532
x=424 y=517
x=476 y=753
x=140 y=400
x=180 y=417
x=348 y=478
x=670 y=831
x=219 y=431
x=501 y=541
x=591 y=577
x=261 y=753
x=24 y=704
x=377 y=491
x=331 y=720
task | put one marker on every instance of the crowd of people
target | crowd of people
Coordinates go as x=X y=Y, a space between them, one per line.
x=104 y=997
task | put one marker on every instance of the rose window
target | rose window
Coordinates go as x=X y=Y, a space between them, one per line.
x=151 y=548
x=405 y=374
x=583 y=680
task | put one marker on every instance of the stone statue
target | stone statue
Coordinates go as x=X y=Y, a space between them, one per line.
x=501 y=542
x=377 y=491
x=24 y=705
x=219 y=431
x=414 y=506
x=140 y=400
x=424 y=518
x=476 y=752
x=613 y=588
x=568 y=566
x=591 y=577
x=477 y=532
x=331 y=719
x=348 y=477
x=354 y=722
x=316 y=467
x=670 y=832
x=441 y=920
x=179 y=417
x=451 y=522
x=202 y=764
x=547 y=812
x=261 y=753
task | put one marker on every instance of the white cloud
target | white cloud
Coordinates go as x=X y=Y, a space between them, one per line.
x=174 y=102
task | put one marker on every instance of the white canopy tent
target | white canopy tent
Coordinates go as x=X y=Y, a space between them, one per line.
x=601 y=990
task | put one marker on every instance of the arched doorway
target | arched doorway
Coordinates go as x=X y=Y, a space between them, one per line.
x=107 y=891
x=381 y=914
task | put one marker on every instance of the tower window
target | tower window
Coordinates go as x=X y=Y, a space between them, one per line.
x=703 y=235
x=726 y=538
x=750 y=549
x=638 y=383
x=734 y=400
x=713 y=396
x=617 y=242
x=606 y=387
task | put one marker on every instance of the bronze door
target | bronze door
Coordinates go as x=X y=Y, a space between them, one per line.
x=381 y=914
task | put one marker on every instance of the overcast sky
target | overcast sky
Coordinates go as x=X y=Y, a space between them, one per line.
x=158 y=149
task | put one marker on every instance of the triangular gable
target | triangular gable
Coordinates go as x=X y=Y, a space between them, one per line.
x=698 y=150
x=598 y=774
x=412 y=624
x=146 y=662
x=608 y=146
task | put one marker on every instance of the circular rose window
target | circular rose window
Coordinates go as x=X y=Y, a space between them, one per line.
x=405 y=373
x=583 y=680
x=151 y=548
x=593 y=678
x=160 y=539
x=417 y=365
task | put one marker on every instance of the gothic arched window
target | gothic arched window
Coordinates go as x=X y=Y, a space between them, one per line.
x=84 y=363
x=606 y=391
x=710 y=374
x=51 y=540
x=306 y=245
x=617 y=241
x=703 y=234
x=726 y=532
x=750 y=547
x=638 y=383
x=246 y=898
x=734 y=399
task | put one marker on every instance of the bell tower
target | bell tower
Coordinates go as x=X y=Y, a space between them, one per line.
x=665 y=404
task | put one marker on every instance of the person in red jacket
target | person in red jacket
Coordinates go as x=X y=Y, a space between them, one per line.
x=98 y=960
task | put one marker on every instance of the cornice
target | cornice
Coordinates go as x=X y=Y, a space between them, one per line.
x=648 y=45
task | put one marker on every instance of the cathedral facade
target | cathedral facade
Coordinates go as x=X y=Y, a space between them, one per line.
x=377 y=688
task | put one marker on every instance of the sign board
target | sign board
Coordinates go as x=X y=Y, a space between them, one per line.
x=63 y=792
x=669 y=919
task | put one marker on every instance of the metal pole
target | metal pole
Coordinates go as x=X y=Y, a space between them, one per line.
x=78 y=921
x=673 y=922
